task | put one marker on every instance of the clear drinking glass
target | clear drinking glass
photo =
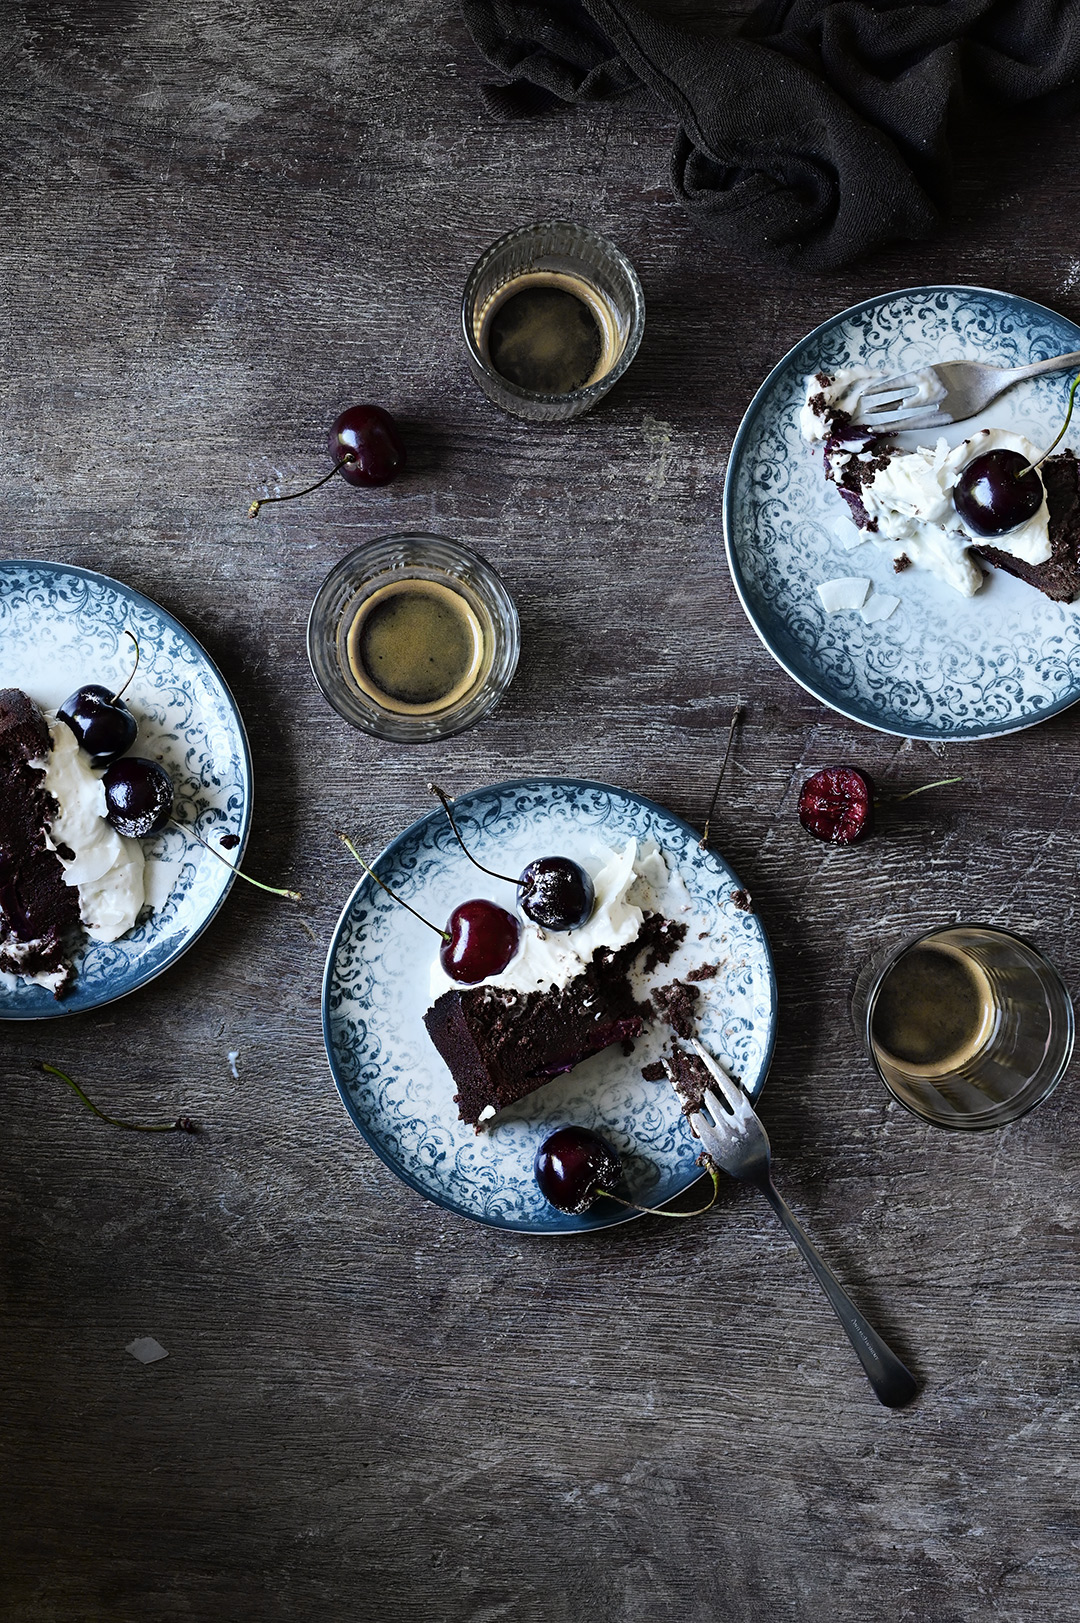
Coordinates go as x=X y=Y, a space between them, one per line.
x=967 y=1025
x=588 y=265
x=373 y=574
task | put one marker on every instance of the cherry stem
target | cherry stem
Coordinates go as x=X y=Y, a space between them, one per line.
x=435 y=790
x=182 y=1124
x=253 y=510
x=272 y=890
x=1068 y=415
x=349 y=846
x=895 y=799
x=134 y=668
x=735 y=714
x=658 y=1211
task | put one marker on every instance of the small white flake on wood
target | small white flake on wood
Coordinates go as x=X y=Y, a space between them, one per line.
x=844 y=595
x=146 y=1349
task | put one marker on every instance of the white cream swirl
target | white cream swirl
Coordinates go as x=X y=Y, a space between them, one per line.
x=106 y=867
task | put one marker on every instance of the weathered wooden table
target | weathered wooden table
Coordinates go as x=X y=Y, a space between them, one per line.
x=220 y=225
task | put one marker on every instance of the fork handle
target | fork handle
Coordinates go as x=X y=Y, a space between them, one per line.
x=1057 y=363
x=892 y=1381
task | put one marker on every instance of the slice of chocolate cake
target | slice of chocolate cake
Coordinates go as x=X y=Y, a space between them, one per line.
x=39 y=913
x=500 y=1044
x=1059 y=576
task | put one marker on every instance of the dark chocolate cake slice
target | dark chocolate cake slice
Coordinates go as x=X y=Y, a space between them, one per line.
x=500 y=1044
x=39 y=913
x=1059 y=576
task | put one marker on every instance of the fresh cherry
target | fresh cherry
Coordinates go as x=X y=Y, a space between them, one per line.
x=103 y=725
x=101 y=722
x=991 y=496
x=480 y=939
x=575 y=1165
x=556 y=893
x=368 y=437
x=138 y=796
x=837 y=804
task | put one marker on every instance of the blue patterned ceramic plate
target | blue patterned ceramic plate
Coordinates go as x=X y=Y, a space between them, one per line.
x=393 y=1082
x=61 y=627
x=943 y=666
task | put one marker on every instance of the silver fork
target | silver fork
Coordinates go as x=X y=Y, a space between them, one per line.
x=946 y=393
x=737 y=1142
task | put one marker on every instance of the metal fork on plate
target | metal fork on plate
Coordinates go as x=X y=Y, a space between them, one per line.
x=967 y=387
x=737 y=1142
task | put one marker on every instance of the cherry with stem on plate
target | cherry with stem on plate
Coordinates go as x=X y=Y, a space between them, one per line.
x=367 y=449
x=575 y=1166
x=480 y=937
x=555 y=892
x=102 y=723
x=1001 y=489
x=837 y=804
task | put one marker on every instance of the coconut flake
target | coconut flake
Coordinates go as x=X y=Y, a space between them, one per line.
x=146 y=1349
x=838 y=596
x=879 y=607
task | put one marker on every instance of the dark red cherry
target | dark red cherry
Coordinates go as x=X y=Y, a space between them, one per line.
x=991 y=498
x=556 y=893
x=574 y=1166
x=483 y=939
x=369 y=435
x=138 y=796
x=837 y=804
x=102 y=723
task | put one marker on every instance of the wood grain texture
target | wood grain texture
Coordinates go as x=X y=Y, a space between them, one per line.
x=220 y=224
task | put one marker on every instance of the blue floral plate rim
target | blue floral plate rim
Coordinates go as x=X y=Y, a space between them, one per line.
x=432 y=821
x=50 y=567
x=821 y=690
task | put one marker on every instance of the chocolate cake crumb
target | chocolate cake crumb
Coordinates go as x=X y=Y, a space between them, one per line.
x=677 y=1004
x=656 y=1072
x=689 y=1078
x=901 y=563
x=667 y=939
x=704 y=972
x=742 y=900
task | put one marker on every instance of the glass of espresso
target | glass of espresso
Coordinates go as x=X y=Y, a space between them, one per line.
x=967 y=1026
x=552 y=315
x=413 y=638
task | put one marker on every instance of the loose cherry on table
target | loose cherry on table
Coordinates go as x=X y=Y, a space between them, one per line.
x=555 y=892
x=102 y=723
x=367 y=449
x=837 y=804
x=480 y=937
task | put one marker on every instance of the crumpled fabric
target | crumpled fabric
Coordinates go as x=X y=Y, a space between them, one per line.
x=813 y=131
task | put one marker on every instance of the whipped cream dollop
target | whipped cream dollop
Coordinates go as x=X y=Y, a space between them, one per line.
x=628 y=884
x=106 y=867
x=834 y=398
x=910 y=504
